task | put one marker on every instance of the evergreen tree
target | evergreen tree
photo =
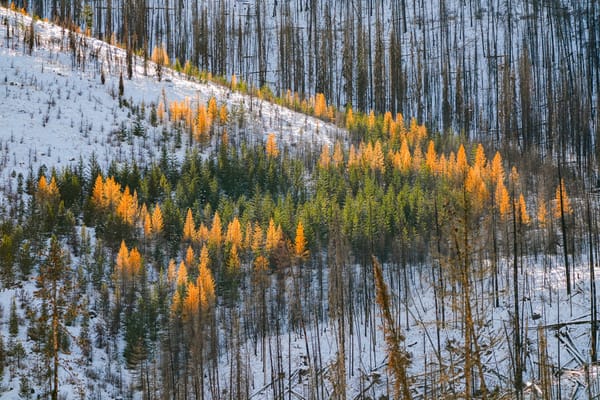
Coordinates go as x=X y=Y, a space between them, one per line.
x=13 y=324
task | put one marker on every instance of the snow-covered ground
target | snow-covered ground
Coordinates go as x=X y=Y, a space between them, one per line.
x=54 y=112
x=55 y=109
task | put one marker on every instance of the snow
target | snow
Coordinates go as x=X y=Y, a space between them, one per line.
x=56 y=110
x=55 y=113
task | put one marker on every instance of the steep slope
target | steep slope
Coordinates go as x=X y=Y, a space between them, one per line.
x=56 y=108
x=58 y=111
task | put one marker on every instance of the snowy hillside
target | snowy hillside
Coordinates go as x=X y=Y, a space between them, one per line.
x=277 y=321
x=56 y=110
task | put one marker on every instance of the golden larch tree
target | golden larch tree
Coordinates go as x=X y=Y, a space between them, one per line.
x=157 y=220
x=127 y=207
x=561 y=193
x=234 y=232
x=502 y=200
x=189 y=256
x=191 y=303
x=320 y=109
x=171 y=272
x=405 y=159
x=542 y=214
x=524 y=216
x=223 y=115
x=338 y=155
x=371 y=121
x=325 y=157
x=205 y=281
x=215 y=237
x=431 y=158
x=300 y=242
x=378 y=159
x=189 y=227
x=257 y=239
x=349 y=118
x=213 y=109
x=271 y=146
x=182 y=275
x=98 y=198
x=272 y=239
x=202 y=124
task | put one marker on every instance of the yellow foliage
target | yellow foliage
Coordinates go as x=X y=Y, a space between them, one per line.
x=480 y=159
x=233 y=262
x=377 y=161
x=371 y=121
x=182 y=275
x=203 y=124
x=300 y=242
x=502 y=200
x=191 y=303
x=387 y=119
x=431 y=158
x=171 y=273
x=147 y=224
x=320 y=108
x=157 y=220
x=202 y=234
x=405 y=158
x=496 y=169
x=349 y=118
x=352 y=157
x=189 y=227
x=234 y=232
x=98 y=198
x=213 y=110
x=205 y=281
x=462 y=166
x=122 y=258
x=127 y=207
x=189 y=256
x=417 y=159
x=475 y=186
x=223 y=115
x=271 y=146
x=135 y=262
x=160 y=56
x=257 y=238
x=248 y=236
x=565 y=205
x=215 y=237
x=324 y=159
x=112 y=192
x=525 y=219
x=271 y=241
x=338 y=155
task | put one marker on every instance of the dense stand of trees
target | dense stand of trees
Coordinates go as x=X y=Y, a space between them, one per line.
x=201 y=262
x=498 y=71
x=223 y=255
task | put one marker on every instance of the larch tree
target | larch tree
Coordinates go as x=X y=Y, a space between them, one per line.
x=271 y=146
x=160 y=59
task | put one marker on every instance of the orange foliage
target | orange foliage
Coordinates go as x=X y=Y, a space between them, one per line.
x=234 y=233
x=271 y=146
x=189 y=227
x=157 y=220
x=300 y=242
x=565 y=207
x=215 y=237
x=324 y=159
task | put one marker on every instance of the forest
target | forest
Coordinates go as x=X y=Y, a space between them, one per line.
x=441 y=242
